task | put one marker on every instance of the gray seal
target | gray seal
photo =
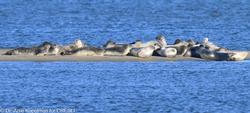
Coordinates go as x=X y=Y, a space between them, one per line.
x=121 y=50
x=43 y=49
x=85 y=51
x=142 y=52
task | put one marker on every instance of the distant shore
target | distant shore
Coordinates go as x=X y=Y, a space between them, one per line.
x=92 y=58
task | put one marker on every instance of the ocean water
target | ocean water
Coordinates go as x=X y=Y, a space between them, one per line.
x=136 y=87
x=26 y=23
x=167 y=87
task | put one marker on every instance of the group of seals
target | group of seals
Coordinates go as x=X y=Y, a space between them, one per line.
x=158 y=47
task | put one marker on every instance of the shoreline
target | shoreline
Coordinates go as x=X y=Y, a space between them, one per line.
x=92 y=58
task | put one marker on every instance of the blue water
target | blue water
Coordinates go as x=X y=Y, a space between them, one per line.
x=29 y=22
x=207 y=87
x=175 y=87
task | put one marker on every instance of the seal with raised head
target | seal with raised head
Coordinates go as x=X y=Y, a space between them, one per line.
x=165 y=50
x=77 y=44
x=192 y=49
x=181 y=47
x=211 y=46
x=48 y=49
x=109 y=44
x=160 y=39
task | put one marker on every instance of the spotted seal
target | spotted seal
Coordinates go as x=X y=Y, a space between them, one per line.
x=142 y=51
x=211 y=46
x=121 y=50
x=165 y=50
x=43 y=49
x=85 y=51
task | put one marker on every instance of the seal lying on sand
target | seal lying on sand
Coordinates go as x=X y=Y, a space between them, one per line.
x=167 y=52
x=204 y=53
x=22 y=51
x=75 y=45
x=164 y=50
x=211 y=46
x=78 y=48
x=122 y=50
x=85 y=51
x=136 y=44
x=45 y=48
x=143 y=51
x=140 y=44
x=49 y=49
x=181 y=46
x=195 y=49
x=136 y=48
x=192 y=48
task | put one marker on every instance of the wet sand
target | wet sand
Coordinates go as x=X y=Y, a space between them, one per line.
x=90 y=58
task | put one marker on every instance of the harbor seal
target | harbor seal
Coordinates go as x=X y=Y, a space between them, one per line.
x=48 y=49
x=227 y=55
x=22 y=51
x=142 y=52
x=85 y=51
x=42 y=49
x=166 y=52
x=211 y=46
x=122 y=50
x=109 y=44
x=180 y=46
x=140 y=44
x=77 y=44
x=160 y=39
x=192 y=49
x=138 y=48
x=207 y=54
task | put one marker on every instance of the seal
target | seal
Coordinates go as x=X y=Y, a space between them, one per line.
x=140 y=44
x=236 y=55
x=160 y=39
x=74 y=46
x=166 y=52
x=122 y=50
x=207 y=54
x=65 y=49
x=180 y=46
x=223 y=55
x=85 y=51
x=211 y=46
x=193 y=47
x=22 y=51
x=142 y=52
x=109 y=44
x=42 y=49
x=48 y=49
